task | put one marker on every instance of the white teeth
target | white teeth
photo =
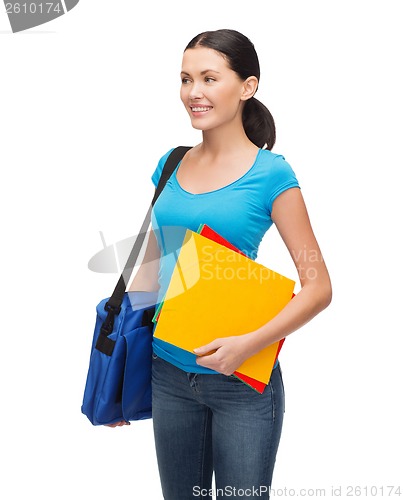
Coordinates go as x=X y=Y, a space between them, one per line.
x=200 y=109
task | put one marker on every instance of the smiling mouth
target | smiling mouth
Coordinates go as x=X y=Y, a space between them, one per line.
x=200 y=109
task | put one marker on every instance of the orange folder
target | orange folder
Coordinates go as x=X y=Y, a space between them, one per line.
x=216 y=291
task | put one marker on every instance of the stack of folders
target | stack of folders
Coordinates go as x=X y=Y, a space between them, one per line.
x=217 y=291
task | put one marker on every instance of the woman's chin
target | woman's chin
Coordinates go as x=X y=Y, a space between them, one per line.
x=200 y=126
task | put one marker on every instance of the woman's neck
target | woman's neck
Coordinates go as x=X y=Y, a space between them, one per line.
x=217 y=142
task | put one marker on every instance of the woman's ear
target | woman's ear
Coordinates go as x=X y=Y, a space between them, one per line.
x=249 y=88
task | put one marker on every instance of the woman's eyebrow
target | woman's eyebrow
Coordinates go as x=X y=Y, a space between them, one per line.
x=201 y=72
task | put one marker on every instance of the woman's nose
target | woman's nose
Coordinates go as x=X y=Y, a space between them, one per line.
x=195 y=91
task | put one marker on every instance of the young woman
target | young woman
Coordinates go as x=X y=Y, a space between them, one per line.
x=204 y=419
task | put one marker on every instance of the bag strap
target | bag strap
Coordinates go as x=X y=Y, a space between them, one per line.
x=115 y=301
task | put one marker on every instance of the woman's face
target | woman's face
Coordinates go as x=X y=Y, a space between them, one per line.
x=211 y=91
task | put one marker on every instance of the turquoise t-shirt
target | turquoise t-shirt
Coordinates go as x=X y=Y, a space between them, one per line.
x=240 y=212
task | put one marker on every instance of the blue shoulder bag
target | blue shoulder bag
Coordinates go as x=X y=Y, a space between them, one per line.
x=118 y=385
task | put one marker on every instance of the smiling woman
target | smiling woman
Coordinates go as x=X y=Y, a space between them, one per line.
x=204 y=418
x=222 y=80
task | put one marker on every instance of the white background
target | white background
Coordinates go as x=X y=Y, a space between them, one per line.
x=89 y=103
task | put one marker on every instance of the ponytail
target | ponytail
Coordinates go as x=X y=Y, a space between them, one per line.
x=259 y=124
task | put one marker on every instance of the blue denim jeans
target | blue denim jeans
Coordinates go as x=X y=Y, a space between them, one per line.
x=213 y=422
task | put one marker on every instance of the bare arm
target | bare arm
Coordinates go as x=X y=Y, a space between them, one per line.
x=292 y=221
x=146 y=278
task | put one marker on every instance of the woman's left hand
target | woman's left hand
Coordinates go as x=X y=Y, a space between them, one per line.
x=224 y=355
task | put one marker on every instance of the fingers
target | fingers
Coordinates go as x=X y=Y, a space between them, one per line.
x=208 y=349
x=118 y=424
x=205 y=353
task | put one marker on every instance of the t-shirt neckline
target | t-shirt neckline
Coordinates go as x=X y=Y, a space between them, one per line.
x=221 y=188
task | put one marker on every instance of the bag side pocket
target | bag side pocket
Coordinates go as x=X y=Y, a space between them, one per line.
x=136 y=390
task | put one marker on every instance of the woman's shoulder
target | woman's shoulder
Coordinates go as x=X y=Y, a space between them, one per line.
x=277 y=175
x=165 y=156
x=275 y=169
x=155 y=177
x=270 y=156
x=160 y=166
x=275 y=163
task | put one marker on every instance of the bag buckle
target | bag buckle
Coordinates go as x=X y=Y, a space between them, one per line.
x=107 y=326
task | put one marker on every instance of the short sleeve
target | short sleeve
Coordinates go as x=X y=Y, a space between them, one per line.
x=282 y=177
x=158 y=171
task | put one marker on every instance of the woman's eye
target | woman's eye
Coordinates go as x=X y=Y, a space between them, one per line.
x=185 y=80
x=209 y=79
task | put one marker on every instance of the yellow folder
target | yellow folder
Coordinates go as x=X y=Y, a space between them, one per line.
x=217 y=292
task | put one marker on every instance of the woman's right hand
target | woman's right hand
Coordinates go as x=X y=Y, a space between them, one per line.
x=118 y=424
